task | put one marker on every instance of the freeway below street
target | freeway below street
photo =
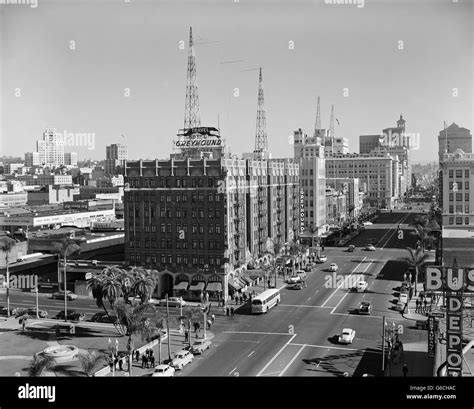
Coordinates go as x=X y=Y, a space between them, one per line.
x=299 y=336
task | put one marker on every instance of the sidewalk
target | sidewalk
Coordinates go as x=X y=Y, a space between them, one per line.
x=411 y=313
x=176 y=344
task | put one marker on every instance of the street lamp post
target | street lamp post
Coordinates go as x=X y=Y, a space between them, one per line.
x=37 y=303
x=111 y=349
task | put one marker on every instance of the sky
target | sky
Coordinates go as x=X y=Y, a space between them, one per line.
x=116 y=69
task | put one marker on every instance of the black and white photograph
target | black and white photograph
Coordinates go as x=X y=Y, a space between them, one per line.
x=266 y=201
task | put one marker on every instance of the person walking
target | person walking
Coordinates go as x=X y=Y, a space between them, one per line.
x=121 y=364
x=322 y=247
x=425 y=305
x=405 y=370
x=213 y=318
x=152 y=361
x=417 y=305
x=231 y=311
x=143 y=360
x=137 y=355
x=405 y=308
x=227 y=311
x=186 y=336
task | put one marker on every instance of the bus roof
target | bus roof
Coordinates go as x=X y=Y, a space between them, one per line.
x=266 y=293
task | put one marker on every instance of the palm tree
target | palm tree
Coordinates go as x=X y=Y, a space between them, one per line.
x=90 y=361
x=135 y=321
x=40 y=364
x=143 y=287
x=64 y=249
x=6 y=245
x=416 y=259
x=106 y=286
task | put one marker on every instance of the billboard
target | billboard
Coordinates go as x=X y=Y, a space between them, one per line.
x=199 y=137
x=440 y=278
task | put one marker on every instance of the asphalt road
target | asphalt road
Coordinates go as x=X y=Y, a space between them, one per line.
x=299 y=336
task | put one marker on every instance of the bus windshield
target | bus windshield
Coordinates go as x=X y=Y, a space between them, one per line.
x=257 y=302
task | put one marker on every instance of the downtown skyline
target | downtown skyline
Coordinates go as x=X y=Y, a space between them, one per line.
x=83 y=89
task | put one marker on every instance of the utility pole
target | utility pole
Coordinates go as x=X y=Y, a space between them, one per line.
x=383 y=345
x=37 y=306
x=168 y=326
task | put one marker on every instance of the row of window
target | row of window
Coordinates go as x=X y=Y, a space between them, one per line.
x=195 y=228
x=181 y=245
x=174 y=197
x=458 y=220
x=173 y=182
x=459 y=185
x=459 y=173
x=459 y=208
x=459 y=197
x=183 y=260
x=179 y=213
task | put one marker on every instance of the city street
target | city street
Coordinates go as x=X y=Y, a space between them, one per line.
x=299 y=336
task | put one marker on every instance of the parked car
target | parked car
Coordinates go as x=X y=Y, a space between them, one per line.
x=370 y=247
x=297 y=286
x=60 y=295
x=321 y=259
x=347 y=336
x=163 y=370
x=333 y=267
x=400 y=306
x=302 y=274
x=3 y=310
x=71 y=315
x=367 y=223
x=308 y=268
x=103 y=317
x=19 y=311
x=365 y=308
x=200 y=346
x=41 y=313
x=361 y=286
x=293 y=279
x=181 y=359
x=173 y=302
x=351 y=248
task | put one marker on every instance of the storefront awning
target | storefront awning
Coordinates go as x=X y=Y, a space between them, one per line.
x=197 y=287
x=247 y=280
x=214 y=287
x=183 y=285
x=234 y=286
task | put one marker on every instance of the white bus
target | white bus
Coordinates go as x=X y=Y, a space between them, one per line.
x=264 y=301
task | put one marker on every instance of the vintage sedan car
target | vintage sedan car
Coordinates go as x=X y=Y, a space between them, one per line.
x=60 y=295
x=41 y=313
x=181 y=359
x=103 y=317
x=333 y=267
x=71 y=315
x=347 y=336
x=365 y=308
x=200 y=346
x=321 y=259
x=163 y=370
x=367 y=223
x=351 y=248
x=370 y=247
x=361 y=286
x=293 y=279
x=173 y=302
x=297 y=286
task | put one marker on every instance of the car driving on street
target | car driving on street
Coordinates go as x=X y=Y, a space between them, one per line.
x=333 y=267
x=347 y=336
x=365 y=308
x=370 y=247
x=321 y=259
x=60 y=295
x=200 y=346
x=163 y=370
x=173 y=302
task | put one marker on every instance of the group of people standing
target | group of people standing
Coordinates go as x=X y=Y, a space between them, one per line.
x=422 y=305
x=148 y=358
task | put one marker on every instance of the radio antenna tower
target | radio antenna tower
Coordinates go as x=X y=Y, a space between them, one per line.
x=261 y=141
x=192 y=118
x=317 y=125
x=331 y=123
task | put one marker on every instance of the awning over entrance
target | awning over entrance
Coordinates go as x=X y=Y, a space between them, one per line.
x=183 y=285
x=235 y=286
x=214 y=287
x=197 y=287
x=247 y=280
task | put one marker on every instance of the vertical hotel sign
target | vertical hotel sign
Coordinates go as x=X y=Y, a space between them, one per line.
x=454 y=281
x=302 y=213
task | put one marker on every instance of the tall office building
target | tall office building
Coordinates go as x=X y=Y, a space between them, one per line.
x=378 y=175
x=116 y=156
x=50 y=149
x=458 y=176
x=70 y=159
x=309 y=154
x=369 y=142
x=452 y=138
x=32 y=159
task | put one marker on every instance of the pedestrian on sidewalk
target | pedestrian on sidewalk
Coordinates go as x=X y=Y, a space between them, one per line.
x=322 y=247
x=268 y=282
x=425 y=304
x=405 y=309
x=417 y=306
x=227 y=311
x=209 y=323
x=405 y=370
x=137 y=355
x=186 y=336
x=231 y=311
x=213 y=318
x=121 y=364
x=144 y=358
x=152 y=361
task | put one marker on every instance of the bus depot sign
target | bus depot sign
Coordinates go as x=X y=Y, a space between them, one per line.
x=200 y=137
x=454 y=281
